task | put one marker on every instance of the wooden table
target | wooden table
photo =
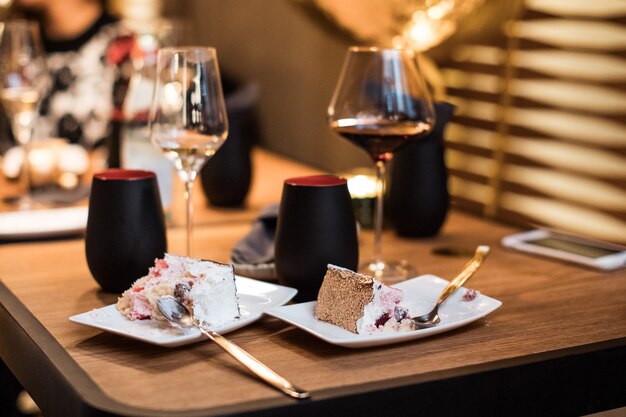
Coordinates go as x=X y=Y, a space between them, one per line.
x=557 y=346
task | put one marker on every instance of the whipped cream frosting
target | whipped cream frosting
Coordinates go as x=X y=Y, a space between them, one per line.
x=206 y=288
x=384 y=312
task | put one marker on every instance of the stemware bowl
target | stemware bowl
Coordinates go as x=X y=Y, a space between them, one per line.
x=380 y=104
x=188 y=120
x=23 y=82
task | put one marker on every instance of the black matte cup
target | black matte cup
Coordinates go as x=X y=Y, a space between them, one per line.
x=316 y=226
x=125 y=227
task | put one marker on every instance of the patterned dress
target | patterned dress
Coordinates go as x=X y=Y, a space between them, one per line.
x=82 y=97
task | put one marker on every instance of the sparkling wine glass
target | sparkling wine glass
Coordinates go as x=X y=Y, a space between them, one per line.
x=188 y=119
x=380 y=104
x=23 y=81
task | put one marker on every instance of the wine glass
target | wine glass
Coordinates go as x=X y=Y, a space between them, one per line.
x=23 y=81
x=188 y=119
x=380 y=104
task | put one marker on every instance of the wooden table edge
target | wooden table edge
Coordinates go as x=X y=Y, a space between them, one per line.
x=33 y=343
x=60 y=376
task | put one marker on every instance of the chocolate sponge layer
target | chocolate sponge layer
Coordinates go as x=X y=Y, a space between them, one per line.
x=342 y=297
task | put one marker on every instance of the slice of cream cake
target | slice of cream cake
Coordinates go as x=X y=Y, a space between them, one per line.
x=206 y=288
x=360 y=303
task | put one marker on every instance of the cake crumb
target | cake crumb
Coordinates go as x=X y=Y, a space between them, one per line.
x=469 y=295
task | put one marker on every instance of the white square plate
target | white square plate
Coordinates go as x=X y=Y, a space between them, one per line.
x=254 y=298
x=42 y=223
x=420 y=295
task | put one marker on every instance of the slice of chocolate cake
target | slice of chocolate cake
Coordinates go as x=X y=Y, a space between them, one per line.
x=359 y=303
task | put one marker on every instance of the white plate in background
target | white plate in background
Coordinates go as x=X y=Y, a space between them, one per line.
x=32 y=224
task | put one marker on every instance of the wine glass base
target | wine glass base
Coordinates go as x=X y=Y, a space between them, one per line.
x=388 y=272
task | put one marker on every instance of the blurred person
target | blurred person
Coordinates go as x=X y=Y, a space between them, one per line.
x=84 y=45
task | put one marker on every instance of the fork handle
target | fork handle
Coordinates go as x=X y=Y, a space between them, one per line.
x=466 y=273
x=255 y=366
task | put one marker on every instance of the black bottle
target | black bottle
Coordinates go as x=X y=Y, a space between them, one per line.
x=418 y=197
x=227 y=175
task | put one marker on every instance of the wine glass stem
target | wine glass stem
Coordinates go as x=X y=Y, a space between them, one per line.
x=189 y=201
x=23 y=131
x=26 y=201
x=378 y=216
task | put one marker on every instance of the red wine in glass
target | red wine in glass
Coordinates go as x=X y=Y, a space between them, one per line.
x=379 y=138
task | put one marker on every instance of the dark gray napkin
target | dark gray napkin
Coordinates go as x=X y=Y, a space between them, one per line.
x=257 y=247
x=52 y=196
x=57 y=195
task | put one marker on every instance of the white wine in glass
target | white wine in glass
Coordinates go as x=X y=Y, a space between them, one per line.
x=380 y=104
x=23 y=81
x=188 y=120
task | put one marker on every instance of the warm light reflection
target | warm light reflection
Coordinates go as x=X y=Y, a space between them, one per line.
x=73 y=159
x=68 y=180
x=362 y=186
x=147 y=42
x=419 y=25
x=422 y=31
x=172 y=97
x=42 y=161
x=431 y=23
x=347 y=122
x=51 y=162
x=440 y=10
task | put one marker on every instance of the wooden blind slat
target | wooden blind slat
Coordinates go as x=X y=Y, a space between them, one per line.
x=581 y=8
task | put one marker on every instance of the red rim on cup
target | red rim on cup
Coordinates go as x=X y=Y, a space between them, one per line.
x=316 y=181
x=124 y=175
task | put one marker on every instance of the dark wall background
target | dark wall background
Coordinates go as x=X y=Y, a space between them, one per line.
x=296 y=62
